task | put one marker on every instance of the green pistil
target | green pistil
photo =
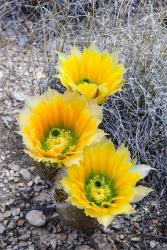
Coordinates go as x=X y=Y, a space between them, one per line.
x=85 y=80
x=99 y=189
x=59 y=137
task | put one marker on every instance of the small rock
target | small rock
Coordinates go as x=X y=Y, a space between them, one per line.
x=9 y=202
x=164 y=245
x=116 y=225
x=43 y=196
x=30 y=183
x=72 y=236
x=84 y=247
x=31 y=247
x=16 y=179
x=25 y=236
x=15 y=211
x=135 y=239
x=53 y=243
x=61 y=236
x=2 y=229
x=1 y=217
x=11 y=225
x=55 y=218
x=153 y=243
x=1 y=74
x=25 y=174
x=3 y=157
x=121 y=236
x=100 y=242
x=14 y=167
x=22 y=244
x=1 y=185
x=20 y=223
x=7 y=214
x=36 y=218
x=36 y=180
x=37 y=188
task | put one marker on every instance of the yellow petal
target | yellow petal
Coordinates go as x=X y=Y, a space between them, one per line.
x=142 y=170
x=52 y=110
x=105 y=220
x=140 y=192
x=89 y=90
x=100 y=69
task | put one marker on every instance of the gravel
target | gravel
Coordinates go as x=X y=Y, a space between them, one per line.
x=26 y=70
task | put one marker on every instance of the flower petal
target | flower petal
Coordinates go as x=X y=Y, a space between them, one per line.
x=140 y=192
x=142 y=170
x=105 y=220
x=89 y=90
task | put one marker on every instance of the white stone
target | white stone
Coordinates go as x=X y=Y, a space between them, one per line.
x=25 y=174
x=36 y=218
x=2 y=229
x=1 y=217
x=53 y=243
x=15 y=211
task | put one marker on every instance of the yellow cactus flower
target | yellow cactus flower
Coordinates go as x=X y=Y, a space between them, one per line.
x=103 y=184
x=92 y=73
x=55 y=128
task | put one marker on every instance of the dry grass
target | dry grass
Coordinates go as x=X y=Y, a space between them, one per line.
x=137 y=115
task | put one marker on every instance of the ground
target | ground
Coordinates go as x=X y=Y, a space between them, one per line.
x=136 y=116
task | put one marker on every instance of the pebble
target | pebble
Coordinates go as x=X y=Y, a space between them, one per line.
x=153 y=243
x=135 y=239
x=61 y=237
x=15 y=211
x=53 y=243
x=30 y=183
x=2 y=229
x=14 y=167
x=37 y=179
x=31 y=247
x=121 y=236
x=36 y=218
x=25 y=236
x=72 y=236
x=100 y=242
x=20 y=223
x=11 y=225
x=22 y=244
x=10 y=202
x=16 y=179
x=7 y=214
x=1 y=74
x=37 y=188
x=84 y=247
x=1 y=217
x=116 y=225
x=25 y=174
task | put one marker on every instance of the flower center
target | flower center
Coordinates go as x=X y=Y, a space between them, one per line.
x=99 y=189
x=60 y=139
x=85 y=80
